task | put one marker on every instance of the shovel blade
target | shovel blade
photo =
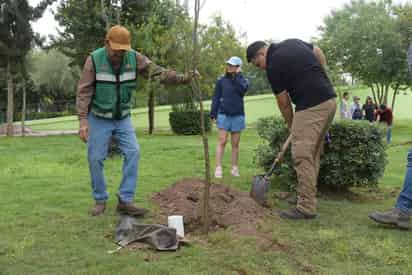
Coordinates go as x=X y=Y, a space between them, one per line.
x=260 y=187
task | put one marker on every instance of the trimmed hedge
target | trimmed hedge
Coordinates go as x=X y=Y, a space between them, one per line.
x=42 y=115
x=356 y=155
x=188 y=122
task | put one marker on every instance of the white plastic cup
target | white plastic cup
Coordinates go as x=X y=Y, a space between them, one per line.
x=176 y=222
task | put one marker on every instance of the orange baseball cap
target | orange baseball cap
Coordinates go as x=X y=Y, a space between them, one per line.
x=119 y=38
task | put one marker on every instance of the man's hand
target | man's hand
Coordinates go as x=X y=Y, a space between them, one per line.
x=285 y=107
x=84 y=130
x=190 y=75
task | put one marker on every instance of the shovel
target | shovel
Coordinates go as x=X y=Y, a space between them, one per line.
x=260 y=185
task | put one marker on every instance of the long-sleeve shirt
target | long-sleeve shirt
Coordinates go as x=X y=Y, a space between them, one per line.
x=356 y=107
x=145 y=68
x=228 y=96
x=385 y=116
x=345 y=110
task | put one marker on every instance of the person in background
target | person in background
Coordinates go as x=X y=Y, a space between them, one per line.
x=384 y=115
x=401 y=213
x=369 y=110
x=344 y=107
x=229 y=112
x=356 y=109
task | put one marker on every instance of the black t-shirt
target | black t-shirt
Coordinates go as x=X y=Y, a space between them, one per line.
x=292 y=66
x=369 y=111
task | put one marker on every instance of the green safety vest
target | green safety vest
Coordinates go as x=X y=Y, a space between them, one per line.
x=113 y=92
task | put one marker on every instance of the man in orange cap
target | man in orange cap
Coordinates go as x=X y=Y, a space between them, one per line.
x=103 y=103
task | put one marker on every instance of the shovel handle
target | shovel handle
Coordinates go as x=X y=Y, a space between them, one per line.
x=279 y=157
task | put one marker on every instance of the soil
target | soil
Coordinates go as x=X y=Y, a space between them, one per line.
x=229 y=208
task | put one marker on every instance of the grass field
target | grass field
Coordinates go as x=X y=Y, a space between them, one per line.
x=45 y=229
x=45 y=195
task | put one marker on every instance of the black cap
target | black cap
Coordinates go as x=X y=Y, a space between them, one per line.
x=253 y=48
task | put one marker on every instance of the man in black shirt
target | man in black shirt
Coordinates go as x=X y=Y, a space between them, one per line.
x=295 y=71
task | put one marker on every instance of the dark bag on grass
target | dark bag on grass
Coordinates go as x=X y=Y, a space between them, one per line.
x=160 y=237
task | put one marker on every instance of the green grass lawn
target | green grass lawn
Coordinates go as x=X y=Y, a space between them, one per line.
x=45 y=228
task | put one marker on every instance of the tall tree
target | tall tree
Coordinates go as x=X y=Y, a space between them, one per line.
x=16 y=39
x=56 y=80
x=160 y=38
x=363 y=39
x=85 y=22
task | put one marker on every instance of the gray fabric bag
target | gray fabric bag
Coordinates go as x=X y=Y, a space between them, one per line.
x=160 y=237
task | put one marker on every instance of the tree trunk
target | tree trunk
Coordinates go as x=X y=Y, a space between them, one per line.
x=151 y=106
x=385 y=99
x=10 y=99
x=374 y=94
x=196 y=90
x=23 y=109
x=395 y=93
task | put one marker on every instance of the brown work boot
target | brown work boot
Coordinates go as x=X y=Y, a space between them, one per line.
x=129 y=208
x=98 y=209
x=295 y=214
x=393 y=217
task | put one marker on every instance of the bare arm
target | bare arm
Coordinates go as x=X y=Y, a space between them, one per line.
x=320 y=55
x=285 y=107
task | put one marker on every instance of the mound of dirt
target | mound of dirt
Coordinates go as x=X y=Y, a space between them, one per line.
x=229 y=208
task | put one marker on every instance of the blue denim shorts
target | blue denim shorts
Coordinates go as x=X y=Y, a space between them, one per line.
x=230 y=123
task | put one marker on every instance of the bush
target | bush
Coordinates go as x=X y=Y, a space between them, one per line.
x=356 y=155
x=188 y=122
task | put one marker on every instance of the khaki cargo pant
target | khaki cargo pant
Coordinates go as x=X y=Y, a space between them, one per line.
x=309 y=129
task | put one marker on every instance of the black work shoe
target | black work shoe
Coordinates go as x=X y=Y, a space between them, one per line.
x=295 y=214
x=98 y=209
x=393 y=217
x=129 y=208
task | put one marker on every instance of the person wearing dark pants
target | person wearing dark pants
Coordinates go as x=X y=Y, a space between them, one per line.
x=295 y=70
x=400 y=214
x=229 y=112
x=104 y=101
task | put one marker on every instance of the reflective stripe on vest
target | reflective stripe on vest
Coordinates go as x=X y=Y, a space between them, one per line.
x=105 y=77
x=127 y=76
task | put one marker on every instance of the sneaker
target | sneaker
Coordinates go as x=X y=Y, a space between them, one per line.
x=218 y=172
x=130 y=209
x=98 y=209
x=394 y=217
x=235 y=171
x=295 y=214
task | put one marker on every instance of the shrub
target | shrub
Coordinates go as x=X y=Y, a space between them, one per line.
x=188 y=122
x=356 y=155
x=42 y=115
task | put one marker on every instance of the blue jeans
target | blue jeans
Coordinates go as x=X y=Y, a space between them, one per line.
x=389 y=134
x=404 y=202
x=100 y=131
